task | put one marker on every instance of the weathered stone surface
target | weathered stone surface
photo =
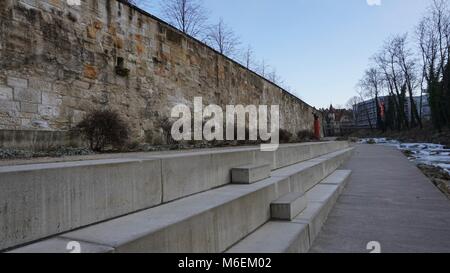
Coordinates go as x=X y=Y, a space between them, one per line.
x=73 y=52
x=7 y=106
x=27 y=95
x=6 y=93
x=40 y=84
x=48 y=111
x=17 y=82
x=51 y=99
x=28 y=107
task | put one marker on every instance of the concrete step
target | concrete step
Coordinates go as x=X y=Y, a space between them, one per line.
x=288 y=206
x=339 y=177
x=276 y=237
x=210 y=221
x=39 y=200
x=299 y=234
x=250 y=174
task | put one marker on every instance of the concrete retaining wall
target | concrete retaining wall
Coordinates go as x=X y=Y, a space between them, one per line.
x=44 y=199
x=211 y=221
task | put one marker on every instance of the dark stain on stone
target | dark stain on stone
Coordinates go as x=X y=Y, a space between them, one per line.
x=72 y=17
x=32 y=15
x=174 y=36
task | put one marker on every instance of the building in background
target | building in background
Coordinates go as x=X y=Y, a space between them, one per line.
x=337 y=122
x=365 y=113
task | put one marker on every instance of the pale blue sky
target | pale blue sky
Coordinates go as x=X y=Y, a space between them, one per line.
x=319 y=47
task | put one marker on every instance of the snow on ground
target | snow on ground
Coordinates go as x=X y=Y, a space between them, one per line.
x=421 y=153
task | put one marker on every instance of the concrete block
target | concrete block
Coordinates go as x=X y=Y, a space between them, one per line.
x=321 y=199
x=76 y=194
x=339 y=178
x=249 y=174
x=41 y=200
x=212 y=169
x=314 y=216
x=17 y=82
x=291 y=154
x=323 y=193
x=288 y=206
x=307 y=174
x=211 y=221
x=264 y=158
x=275 y=237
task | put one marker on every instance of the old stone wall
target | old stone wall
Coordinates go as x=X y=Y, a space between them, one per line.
x=58 y=62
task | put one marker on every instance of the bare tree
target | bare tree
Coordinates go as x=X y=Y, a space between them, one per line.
x=393 y=78
x=408 y=64
x=263 y=67
x=189 y=16
x=352 y=102
x=222 y=38
x=371 y=83
x=247 y=57
x=274 y=77
x=433 y=34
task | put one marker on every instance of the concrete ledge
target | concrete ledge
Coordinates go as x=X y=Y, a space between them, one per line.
x=213 y=168
x=206 y=222
x=40 y=200
x=275 y=237
x=291 y=154
x=339 y=177
x=249 y=174
x=305 y=176
x=288 y=206
x=211 y=221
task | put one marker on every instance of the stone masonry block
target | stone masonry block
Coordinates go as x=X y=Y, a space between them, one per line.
x=41 y=85
x=28 y=107
x=48 y=111
x=6 y=93
x=17 y=82
x=51 y=99
x=28 y=95
x=9 y=106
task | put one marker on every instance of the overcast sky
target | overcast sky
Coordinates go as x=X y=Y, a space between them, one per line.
x=319 y=47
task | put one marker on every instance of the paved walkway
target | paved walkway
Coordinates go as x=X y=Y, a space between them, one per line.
x=390 y=201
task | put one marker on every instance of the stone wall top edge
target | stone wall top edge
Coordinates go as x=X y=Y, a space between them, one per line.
x=187 y=36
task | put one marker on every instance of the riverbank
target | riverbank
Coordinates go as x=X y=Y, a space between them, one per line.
x=439 y=178
x=425 y=135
